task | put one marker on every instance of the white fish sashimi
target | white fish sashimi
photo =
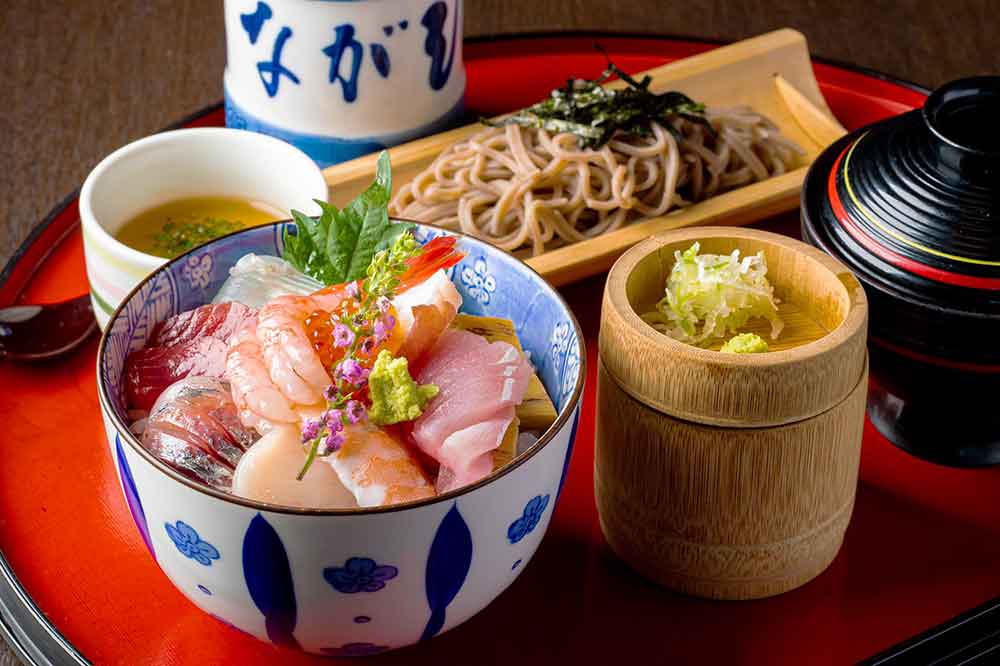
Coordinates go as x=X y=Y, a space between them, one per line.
x=425 y=312
x=436 y=290
x=257 y=279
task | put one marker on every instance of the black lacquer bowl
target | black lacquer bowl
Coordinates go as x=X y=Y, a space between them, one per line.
x=912 y=206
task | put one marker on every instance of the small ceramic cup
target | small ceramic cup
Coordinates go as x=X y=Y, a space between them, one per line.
x=343 y=79
x=174 y=165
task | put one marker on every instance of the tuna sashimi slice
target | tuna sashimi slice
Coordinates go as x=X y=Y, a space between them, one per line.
x=479 y=384
x=194 y=428
x=149 y=371
x=190 y=343
x=219 y=320
x=467 y=455
x=476 y=380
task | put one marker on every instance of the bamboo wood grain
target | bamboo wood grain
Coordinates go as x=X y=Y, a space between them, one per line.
x=536 y=412
x=816 y=360
x=739 y=74
x=819 y=125
x=725 y=513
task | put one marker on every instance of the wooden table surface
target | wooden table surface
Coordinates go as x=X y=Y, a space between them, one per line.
x=85 y=77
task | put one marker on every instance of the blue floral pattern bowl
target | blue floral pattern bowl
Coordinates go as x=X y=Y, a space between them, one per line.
x=347 y=583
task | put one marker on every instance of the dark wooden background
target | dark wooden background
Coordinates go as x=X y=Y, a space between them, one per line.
x=83 y=77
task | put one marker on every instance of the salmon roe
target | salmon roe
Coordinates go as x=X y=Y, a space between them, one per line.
x=319 y=329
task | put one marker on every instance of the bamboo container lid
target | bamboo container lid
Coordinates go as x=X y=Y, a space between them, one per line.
x=814 y=364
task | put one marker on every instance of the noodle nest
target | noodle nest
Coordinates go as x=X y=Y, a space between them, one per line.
x=527 y=190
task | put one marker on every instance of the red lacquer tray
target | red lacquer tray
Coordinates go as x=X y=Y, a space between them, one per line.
x=923 y=544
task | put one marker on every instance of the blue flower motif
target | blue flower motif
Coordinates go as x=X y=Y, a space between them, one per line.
x=354 y=650
x=524 y=525
x=197 y=270
x=561 y=338
x=359 y=574
x=479 y=282
x=424 y=235
x=569 y=373
x=190 y=544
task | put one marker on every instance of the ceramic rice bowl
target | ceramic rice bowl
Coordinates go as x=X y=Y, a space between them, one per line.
x=358 y=581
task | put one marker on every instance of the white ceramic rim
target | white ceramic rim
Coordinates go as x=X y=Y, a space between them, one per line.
x=153 y=142
x=562 y=418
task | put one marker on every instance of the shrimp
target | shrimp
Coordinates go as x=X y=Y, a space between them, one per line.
x=261 y=404
x=278 y=367
x=377 y=468
x=438 y=254
x=294 y=365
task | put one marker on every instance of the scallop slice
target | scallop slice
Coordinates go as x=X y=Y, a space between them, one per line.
x=267 y=473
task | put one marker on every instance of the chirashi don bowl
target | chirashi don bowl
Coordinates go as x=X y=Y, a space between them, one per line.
x=358 y=581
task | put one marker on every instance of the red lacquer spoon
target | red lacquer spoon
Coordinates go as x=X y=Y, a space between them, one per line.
x=42 y=332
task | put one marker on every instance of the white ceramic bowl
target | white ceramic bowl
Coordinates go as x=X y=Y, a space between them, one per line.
x=348 y=582
x=343 y=79
x=173 y=165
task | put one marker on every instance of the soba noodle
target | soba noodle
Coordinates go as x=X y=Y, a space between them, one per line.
x=520 y=187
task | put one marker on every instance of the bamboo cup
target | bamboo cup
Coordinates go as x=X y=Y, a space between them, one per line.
x=731 y=476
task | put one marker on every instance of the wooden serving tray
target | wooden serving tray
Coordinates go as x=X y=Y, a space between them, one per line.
x=772 y=73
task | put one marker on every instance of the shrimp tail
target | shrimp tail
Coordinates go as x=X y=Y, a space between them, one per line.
x=438 y=254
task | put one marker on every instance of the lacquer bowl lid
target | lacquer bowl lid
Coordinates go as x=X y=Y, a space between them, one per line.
x=912 y=206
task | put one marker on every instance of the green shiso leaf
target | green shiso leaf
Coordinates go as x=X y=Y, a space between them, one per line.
x=339 y=245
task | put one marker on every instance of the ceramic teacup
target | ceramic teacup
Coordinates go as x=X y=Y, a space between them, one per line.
x=343 y=79
x=174 y=165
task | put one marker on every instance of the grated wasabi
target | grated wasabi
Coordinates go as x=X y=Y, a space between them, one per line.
x=745 y=343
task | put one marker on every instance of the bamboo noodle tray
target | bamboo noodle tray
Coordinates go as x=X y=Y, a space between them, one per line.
x=771 y=73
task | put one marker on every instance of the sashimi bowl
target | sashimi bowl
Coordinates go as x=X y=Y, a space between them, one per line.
x=347 y=581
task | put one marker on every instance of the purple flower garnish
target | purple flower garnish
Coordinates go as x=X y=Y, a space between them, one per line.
x=330 y=393
x=334 y=419
x=342 y=335
x=383 y=328
x=367 y=346
x=354 y=291
x=352 y=372
x=355 y=412
x=310 y=430
x=382 y=304
x=333 y=442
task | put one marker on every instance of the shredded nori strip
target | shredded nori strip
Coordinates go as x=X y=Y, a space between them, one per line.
x=595 y=114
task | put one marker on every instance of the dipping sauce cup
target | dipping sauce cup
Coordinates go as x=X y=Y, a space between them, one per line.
x=201 y=162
